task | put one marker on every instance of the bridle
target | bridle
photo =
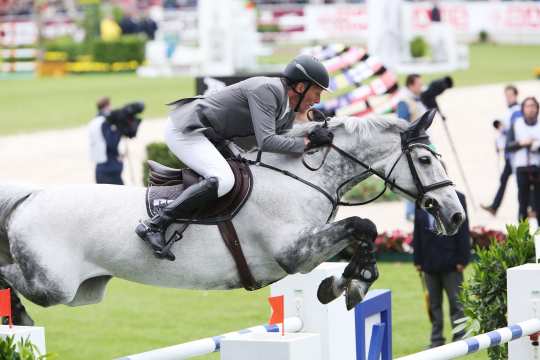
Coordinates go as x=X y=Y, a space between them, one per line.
x=409 y=141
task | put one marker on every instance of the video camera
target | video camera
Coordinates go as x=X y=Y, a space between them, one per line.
x=125 y=119
x=434 y=89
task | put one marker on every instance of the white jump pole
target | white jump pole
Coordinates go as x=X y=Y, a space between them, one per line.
x=479 y=342
x=211 y=344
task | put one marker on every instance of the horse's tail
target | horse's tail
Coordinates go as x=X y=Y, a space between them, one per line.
x=11 y=197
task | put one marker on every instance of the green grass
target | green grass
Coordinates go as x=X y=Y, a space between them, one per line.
x=135 y=318
x=53 y=103
x=491 y=63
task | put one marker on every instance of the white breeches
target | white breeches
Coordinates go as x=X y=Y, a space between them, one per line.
x=200 y=155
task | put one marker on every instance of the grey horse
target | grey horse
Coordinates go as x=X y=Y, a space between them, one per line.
x=61 y=245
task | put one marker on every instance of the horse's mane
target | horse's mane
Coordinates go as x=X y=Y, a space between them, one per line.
x=363 y=126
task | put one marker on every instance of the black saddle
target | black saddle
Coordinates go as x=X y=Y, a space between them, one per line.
x=166 y=183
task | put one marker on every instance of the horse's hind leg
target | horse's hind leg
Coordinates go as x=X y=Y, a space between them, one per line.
x=18 y=311
x=362 y=270
x=36 y=286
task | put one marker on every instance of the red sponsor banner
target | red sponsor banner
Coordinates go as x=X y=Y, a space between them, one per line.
x=521 y=17
x=338 y=21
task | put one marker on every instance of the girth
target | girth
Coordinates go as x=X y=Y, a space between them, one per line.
x=166 y=184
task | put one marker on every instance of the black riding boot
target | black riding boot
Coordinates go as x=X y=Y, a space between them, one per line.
x=194 y=199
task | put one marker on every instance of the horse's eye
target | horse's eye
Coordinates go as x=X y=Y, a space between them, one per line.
x=426 y=160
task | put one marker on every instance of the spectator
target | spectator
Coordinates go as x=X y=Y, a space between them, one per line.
x=410 y=108
x=129 y=25
x=524 y=141
x=104 y=141
x=435 y=13
x=442 y=259
x=109 y=29
x=513 y=112
x=148 y=26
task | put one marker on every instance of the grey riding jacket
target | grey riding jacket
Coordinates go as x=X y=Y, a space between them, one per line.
x=256 y=106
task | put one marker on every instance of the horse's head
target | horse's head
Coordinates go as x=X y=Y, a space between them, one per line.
x=418 y=173
x=398 y=152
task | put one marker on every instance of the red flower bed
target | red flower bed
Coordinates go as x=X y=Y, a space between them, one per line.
x=398 y=241
x=482 y=237
x=394 y=241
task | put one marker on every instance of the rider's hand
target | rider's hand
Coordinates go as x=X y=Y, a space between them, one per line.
x=319 y=136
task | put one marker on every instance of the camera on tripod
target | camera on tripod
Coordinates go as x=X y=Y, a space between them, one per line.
x=434 y=89
x=126 y=120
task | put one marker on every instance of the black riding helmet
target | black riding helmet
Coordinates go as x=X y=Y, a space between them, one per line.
x=306 y=68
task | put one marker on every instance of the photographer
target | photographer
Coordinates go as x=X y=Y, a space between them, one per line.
x=434 y=89
x=105 y=133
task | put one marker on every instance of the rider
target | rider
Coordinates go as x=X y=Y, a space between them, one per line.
x=260 y=106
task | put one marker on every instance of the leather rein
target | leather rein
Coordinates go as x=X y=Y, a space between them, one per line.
x=407 y=145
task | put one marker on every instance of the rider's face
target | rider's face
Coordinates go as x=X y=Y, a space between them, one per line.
x=313 y=96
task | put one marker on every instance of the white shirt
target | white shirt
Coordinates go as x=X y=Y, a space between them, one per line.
x=98 y=146
x=524 y=156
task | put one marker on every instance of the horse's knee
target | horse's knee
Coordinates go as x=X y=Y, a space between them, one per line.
x=363 y=226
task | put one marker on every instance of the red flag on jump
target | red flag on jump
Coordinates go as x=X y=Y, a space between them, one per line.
x=278 y=312
x=5 y=304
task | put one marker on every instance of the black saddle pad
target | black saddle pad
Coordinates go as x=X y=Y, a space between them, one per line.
x=225 y=208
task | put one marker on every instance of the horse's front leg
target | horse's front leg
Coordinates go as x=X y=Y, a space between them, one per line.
x=322 y=243
x=362 y=270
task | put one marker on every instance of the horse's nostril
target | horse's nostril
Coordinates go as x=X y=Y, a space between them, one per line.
x=457 y=218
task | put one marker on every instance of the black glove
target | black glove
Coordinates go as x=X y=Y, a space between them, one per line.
x=319 y=136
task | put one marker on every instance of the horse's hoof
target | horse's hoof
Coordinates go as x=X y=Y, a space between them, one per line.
x=328 y=290
x=355 y=292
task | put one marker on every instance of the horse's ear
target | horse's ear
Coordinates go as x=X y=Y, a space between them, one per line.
x=424 y=122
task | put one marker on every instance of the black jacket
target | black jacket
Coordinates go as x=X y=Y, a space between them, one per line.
x=440 y=253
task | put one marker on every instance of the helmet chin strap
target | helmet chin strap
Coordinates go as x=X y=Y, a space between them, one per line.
x=302 y=95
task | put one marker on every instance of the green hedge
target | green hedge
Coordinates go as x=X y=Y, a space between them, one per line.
x=126 y=48
x=159 y=152
x=67 y=45
x=22 y=349
x=484 y=293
